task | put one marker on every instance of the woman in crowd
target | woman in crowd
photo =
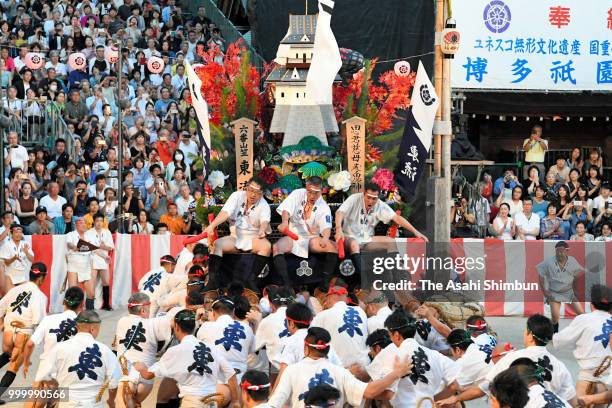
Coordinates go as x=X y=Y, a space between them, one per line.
x=574 y=183
x=503 y=224
x=515 y=203
x=142 y=226
x=532 y=181
x=26 y=204
x=582 y=195
x=594 y=159
x=593 y=181
x=581 y=233
x=109 y=205
x=178 y=162
x=39 y=177
x=551 y=226
x=575 y=160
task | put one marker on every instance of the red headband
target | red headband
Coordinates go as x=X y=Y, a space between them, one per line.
x=319 y=346
x=201 y=258
x=298 y=321
x=131 y=305
x=334 y=291
x=479 y=325
x=37 y=271
x=248 y=386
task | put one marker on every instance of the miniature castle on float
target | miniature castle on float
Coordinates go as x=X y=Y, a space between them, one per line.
x=296 y=115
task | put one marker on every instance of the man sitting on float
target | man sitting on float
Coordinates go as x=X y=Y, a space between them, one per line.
x=249 y=213
x=355 y=222
x=307 y=222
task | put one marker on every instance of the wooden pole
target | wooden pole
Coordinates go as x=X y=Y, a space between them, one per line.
x=438 y=85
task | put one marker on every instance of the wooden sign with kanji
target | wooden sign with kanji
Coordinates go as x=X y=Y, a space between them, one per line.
x=243 y=130
x=354 y=132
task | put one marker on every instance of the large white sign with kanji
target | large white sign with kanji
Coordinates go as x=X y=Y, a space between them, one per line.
x=527 y=44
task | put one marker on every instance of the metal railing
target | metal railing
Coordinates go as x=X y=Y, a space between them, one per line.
x=229 y=31
x=38 y=122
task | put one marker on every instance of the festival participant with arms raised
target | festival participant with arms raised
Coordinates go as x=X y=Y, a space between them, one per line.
x=357 y=218
x=17 y=256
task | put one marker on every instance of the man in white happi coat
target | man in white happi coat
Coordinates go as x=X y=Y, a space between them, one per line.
x=272 y=329
x=151 y=282
x=376 y=306
x=84 y=365
x=474 y=361
x=22 y=308
x=557 y=378
x=589 y=336
x=305 y=214
x=431 y=372
x=137 y=337
x=255 y=387
x=315 y=369
x=520 y=385
x=17 y=256
x=357 y=218
x=196 y=366
x=249 y=214
x=100 y=258
x=347 y=326
x=233 y=339
x=55 y=328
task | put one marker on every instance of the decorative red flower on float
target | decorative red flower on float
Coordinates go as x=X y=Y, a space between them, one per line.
x=268 y=175
x=384 y=179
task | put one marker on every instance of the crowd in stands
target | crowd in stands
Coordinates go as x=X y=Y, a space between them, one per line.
x=570 y=201
x=46 y=190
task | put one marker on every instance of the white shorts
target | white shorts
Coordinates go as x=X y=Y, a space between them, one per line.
x=81 y=266
x=244 y=241
x=17 y=276
x=14 y=330
x=300 y=247
x=97 y=262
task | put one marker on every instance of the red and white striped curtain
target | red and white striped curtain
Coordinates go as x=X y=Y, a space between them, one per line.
x=135 y=255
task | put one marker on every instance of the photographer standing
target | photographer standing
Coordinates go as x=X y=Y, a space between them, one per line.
x=461 y=219
x=15 y=155
x=157 y=202
x=535 y=148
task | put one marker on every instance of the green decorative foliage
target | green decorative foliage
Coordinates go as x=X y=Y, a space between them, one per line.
x=290 y=182
x=313 y=169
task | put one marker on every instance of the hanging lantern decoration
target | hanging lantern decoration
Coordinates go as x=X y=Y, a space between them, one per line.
x=34 y=60
x=402 y=68
x=155 y=65
x=77 y=61
x=111 y=54
x=450 y=39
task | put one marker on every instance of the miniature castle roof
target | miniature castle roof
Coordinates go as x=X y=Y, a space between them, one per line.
x=302 y=29
x=284 y=74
